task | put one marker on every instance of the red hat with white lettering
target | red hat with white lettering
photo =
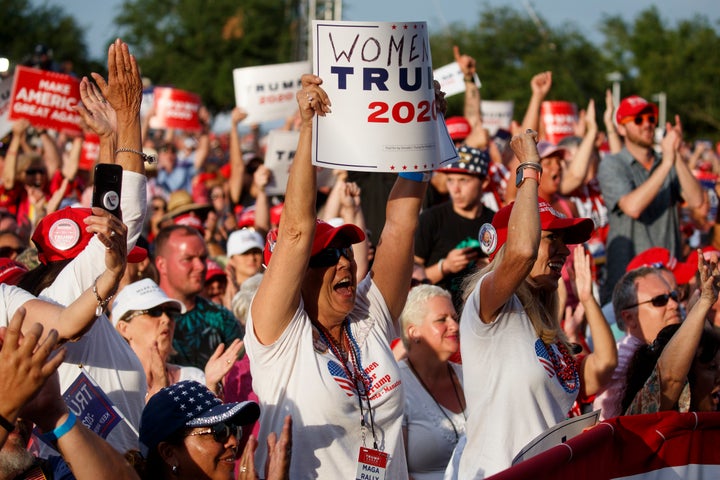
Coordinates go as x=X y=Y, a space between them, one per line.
x=631 y=106
x=61 y=235
x=458 y=127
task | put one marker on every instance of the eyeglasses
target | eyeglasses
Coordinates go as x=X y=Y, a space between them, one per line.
x=221 y=432
x=217 y=196
x=330 y=256
x=7 y=252
x=658 y=300
x=35 y=171
x=155 y=312
x=639 y=119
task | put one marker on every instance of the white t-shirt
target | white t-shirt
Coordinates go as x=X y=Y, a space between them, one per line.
x=11 y=299
x=512 y=390
x=431 y=438
x=103 y=353
x=291 y=377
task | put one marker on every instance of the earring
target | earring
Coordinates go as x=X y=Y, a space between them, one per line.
x=417 y=340
x=174 y=469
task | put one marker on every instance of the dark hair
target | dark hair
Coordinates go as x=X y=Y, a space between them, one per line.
x=646 y=357
x=42 y=276
x=153 y=467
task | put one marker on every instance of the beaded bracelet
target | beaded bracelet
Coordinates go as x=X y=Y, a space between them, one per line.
x=101 y=303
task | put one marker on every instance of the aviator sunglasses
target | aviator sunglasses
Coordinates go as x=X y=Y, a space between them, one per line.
x=221 y=432
x=658 y=300
x=330 y=256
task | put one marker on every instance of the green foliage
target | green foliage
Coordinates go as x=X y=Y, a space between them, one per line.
x=195 y=44
x=24 y=26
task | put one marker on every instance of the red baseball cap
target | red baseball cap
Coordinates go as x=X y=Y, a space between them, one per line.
x=214 y=270
x=661 y=257
x=11 y=271
x=324 y=236
x=575 y=230
x=458 y=127
x=631 y=106
x=61 y=235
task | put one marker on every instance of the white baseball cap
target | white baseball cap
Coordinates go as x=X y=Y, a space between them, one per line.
x=142 y=295
x=243 y=240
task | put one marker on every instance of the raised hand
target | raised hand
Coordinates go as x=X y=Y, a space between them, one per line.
x=123 y=88
x=96 y=114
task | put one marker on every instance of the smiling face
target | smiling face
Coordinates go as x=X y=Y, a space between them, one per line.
x=551 y=257
x=329 y=292
x=646 y=320
x=439 y=329
x=202 y=457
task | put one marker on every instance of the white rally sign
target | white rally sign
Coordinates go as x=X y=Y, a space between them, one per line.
x=378 y=76
x=267 y=93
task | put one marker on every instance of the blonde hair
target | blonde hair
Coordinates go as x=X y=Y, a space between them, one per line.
x=540 y=305
x=416 y=307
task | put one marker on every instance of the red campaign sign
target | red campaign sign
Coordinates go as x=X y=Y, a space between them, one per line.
x=558 y=119
x=176 y=109
x=90 y=152
x=46 y=99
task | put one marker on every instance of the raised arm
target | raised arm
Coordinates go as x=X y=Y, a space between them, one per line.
x=523 y=237
x=10 y=166
x=575 y=175
x=598 y=367
x=237 y=165
x=540 y=85
x=468 y=67
x=677 y=356
x=78 y=317
x=278 y=296
x=692 y=192
x=614 y=141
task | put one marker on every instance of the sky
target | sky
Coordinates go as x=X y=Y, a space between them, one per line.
x=96 y=16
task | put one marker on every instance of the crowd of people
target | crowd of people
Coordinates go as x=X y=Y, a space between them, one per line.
x=236 y=334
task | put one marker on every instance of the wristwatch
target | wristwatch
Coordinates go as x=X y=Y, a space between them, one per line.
x=527 y=170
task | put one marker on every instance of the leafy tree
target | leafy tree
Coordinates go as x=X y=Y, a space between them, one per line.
x=510 y=49
x=25 y=26
x=678 y=61
x=195 y=44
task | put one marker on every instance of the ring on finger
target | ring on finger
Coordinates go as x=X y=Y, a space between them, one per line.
x=243 y=469
x=112 y=233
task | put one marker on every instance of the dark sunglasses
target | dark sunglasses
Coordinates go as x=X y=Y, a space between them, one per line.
x=6 y=252
x=639 y=119
x=154 y=312
x=35 y=171
x=330 y=256
x=659 y=300
x=221 y=432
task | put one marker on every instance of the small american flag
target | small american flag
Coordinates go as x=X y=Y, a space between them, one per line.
x=544 y=358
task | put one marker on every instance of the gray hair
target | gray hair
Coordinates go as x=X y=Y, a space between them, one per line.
x=243 y=298
x=625 y=291
x=416 y=307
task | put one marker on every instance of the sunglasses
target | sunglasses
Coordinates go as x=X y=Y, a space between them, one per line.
x=221 y=432
x=639 y=119
x=330 y=256
x=659 y=300
x=35 y=171
x=155 y=312
x=6 y=252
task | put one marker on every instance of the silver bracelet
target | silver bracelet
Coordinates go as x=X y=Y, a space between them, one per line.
x=143 y=155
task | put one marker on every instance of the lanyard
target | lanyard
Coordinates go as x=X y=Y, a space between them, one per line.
x=364 y=384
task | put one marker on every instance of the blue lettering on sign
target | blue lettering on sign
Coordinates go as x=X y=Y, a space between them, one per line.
x=370 y=468
x=378 y=77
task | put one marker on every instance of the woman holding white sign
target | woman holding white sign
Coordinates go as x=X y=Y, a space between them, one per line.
x=318 y=339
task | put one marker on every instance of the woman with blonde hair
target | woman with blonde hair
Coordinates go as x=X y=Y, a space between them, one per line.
x=434 y=416
x=520 y=376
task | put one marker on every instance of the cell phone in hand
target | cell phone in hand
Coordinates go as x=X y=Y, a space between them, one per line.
x=107 y=187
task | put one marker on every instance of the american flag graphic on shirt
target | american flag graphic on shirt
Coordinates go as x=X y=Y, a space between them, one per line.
x=544 y=358
x=339 y=375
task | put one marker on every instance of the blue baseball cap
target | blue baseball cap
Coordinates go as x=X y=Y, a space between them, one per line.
x=188 y=404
